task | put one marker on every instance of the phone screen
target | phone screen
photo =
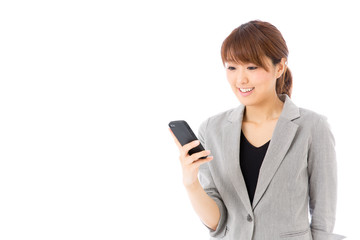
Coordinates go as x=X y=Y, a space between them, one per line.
x=185 y=135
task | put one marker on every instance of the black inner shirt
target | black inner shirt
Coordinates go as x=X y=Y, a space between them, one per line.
x=251 y=158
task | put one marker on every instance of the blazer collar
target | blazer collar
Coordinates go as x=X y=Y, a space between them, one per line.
x=281 y=140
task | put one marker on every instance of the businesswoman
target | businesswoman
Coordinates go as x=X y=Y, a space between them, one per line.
x=271 y=173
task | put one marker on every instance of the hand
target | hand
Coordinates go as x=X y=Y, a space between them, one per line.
x=190 y=163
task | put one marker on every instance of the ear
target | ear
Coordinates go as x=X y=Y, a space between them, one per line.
x=280 y=67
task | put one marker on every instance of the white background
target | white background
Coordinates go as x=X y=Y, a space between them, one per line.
x=88 y=87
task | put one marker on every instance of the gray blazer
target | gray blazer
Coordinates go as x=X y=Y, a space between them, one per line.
x=297 y=180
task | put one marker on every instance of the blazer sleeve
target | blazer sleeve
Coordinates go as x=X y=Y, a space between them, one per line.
x=322 y=181
x=207 y=182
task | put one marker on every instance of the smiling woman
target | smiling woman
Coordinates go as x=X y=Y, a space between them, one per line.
x=273 y=163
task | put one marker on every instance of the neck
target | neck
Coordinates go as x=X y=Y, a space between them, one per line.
x=269 y=109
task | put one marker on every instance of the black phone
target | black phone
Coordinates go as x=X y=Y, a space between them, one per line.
x=184 y=134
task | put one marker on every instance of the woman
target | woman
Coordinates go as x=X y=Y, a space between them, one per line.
x=273 y=164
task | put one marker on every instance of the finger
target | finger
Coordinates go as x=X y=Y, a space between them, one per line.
x=196 y=156
x=187 y=147
x=175 y=139
x=202 y=161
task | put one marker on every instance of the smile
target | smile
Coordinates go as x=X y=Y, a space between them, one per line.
x=246 y=89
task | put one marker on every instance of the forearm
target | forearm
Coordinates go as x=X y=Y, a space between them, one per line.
x=205 y=207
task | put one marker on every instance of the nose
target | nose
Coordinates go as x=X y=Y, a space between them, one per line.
x=241 y=78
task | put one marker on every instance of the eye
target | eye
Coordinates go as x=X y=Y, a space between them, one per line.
x=252 y=68
x=231 y=68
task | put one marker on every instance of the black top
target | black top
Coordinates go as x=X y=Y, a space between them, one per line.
x=251 y=158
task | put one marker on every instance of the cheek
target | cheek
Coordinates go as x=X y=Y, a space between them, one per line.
x=263 y=78
x=230 y=78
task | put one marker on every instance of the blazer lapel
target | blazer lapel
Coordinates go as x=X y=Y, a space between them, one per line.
x=231 y=150
x=281 y=140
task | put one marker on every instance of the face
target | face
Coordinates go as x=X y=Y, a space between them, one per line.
x=248 y=76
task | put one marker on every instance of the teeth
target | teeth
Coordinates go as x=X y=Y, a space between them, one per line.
x=246 y=89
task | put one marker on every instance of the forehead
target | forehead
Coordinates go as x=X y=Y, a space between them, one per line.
x=236 y=63
x=265 y=60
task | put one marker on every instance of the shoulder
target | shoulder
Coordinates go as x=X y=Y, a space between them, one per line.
x=315 y=122
x=310 y=117
x=218 y=119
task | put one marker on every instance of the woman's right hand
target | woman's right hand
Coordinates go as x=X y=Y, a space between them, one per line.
x=190 y=164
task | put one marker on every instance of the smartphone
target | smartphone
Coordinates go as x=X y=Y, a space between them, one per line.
x=184 y=134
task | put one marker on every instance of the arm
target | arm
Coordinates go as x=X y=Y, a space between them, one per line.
x=204 y=206
x=322 y=182
x=208 y=185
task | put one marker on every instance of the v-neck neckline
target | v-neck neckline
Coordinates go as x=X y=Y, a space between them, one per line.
x=242 y=133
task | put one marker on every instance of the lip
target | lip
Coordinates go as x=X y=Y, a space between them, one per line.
x=247 y=93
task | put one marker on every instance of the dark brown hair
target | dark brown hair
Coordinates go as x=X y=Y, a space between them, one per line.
x=251 y=42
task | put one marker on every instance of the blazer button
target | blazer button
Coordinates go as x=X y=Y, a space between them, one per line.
x=249 y=218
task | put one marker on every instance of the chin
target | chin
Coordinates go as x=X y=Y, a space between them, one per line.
x=246 y=102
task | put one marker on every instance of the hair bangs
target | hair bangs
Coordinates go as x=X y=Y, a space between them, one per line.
x=242 y=47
